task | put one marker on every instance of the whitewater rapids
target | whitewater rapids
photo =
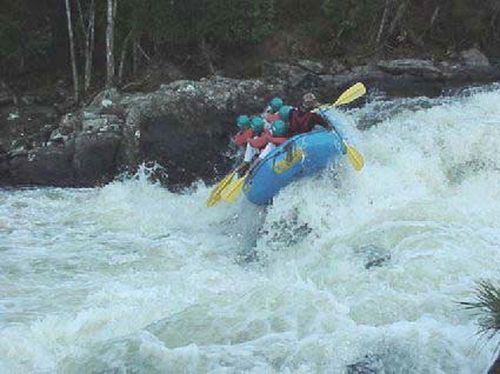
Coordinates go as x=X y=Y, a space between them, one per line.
x=344 y=268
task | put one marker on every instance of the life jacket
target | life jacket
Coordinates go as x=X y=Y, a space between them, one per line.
x=242 y=137
x=302 y=121
x=259 y=142
x=278 y=140
x=271 y=117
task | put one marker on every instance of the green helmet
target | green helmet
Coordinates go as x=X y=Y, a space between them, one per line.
x=279 y=128
x=284 y=112
x=243 y=121
x=257 y=124
x=275 y=104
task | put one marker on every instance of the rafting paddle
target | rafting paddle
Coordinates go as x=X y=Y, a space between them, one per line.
x=351 y=94
x=215 y=195
x=233 y=190
x=356 y=158
x=348 y=96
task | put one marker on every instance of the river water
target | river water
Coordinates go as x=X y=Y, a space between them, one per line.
x=343 y=268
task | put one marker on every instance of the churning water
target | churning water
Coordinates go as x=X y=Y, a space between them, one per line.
x=345 y=271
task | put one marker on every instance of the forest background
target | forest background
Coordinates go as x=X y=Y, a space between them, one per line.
x=90 y=44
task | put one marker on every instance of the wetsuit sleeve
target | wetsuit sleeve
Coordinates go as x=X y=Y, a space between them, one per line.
x=242 y=137
x=320 y=120
x=261 y=141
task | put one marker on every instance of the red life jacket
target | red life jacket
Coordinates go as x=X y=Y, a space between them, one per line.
x=259 y=142
x=242 y=137
x=301 y=121
x=271 y=117
x=278 y=140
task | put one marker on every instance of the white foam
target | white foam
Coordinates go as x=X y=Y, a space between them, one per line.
x=133 y=277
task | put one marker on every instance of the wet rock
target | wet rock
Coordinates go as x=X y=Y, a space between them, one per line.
x=107 y=121
x=185 y=126
x=370 y=364
x=296 y=78
x=6 y=98
x=473 y=57
x=373 y=256
x=6 y=95
x=285 y=232
x=495 y=368
x=3 y=159
x=172 y=72
x=57 y=138
x=335 y=67
x=44 y=166
x=420 y=68
x=277 y=70
x=69 y=124
x=83 y=160
x=29 y=100
x=91 y=125
x=295 y=75
x=312 y=66
x=95 y=157
x=377 y=261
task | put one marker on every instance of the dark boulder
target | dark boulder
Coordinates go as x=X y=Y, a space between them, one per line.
x=184 y=127
x=424 y=69
x=49 y=166
x=95 y=157
x=473 y=57
x=495 y=368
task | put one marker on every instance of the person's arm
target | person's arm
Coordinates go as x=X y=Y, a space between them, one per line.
x=250 y=152
x=320 y=120
x=242 y=137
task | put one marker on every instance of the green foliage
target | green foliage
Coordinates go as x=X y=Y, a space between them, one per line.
x=34 y=32
x=10 y=29
x=24 y=36
x=227 y=22
x=9 y=36
x=353 y=18
x=487 y=307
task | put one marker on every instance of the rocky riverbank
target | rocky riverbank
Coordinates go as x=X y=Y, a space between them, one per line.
x=185 y=126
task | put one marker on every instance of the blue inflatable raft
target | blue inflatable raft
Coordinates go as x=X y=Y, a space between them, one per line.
x=299 y=156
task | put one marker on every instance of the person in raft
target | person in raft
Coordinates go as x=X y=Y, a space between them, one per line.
x=303 y=119
x=255 y=143
x=271 y=113
x=268 y=141
x=284 y=113
x=262 y=142
x=245 y=133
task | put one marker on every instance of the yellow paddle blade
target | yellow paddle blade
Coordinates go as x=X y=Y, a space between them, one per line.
x=355 y=157
x=231 y=193
x=215 y=195
x=351 y=94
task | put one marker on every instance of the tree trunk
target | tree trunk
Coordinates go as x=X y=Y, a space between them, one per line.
x=135 y=55
x=124 y=55
x=110 y=58
x=205 y=51
x=399 y=15
x=87 y=26
x=90 y=42
x=72 y=53
x=383 y=21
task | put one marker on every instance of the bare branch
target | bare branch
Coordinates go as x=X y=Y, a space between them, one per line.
x=383 y=21
x=72 y=53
